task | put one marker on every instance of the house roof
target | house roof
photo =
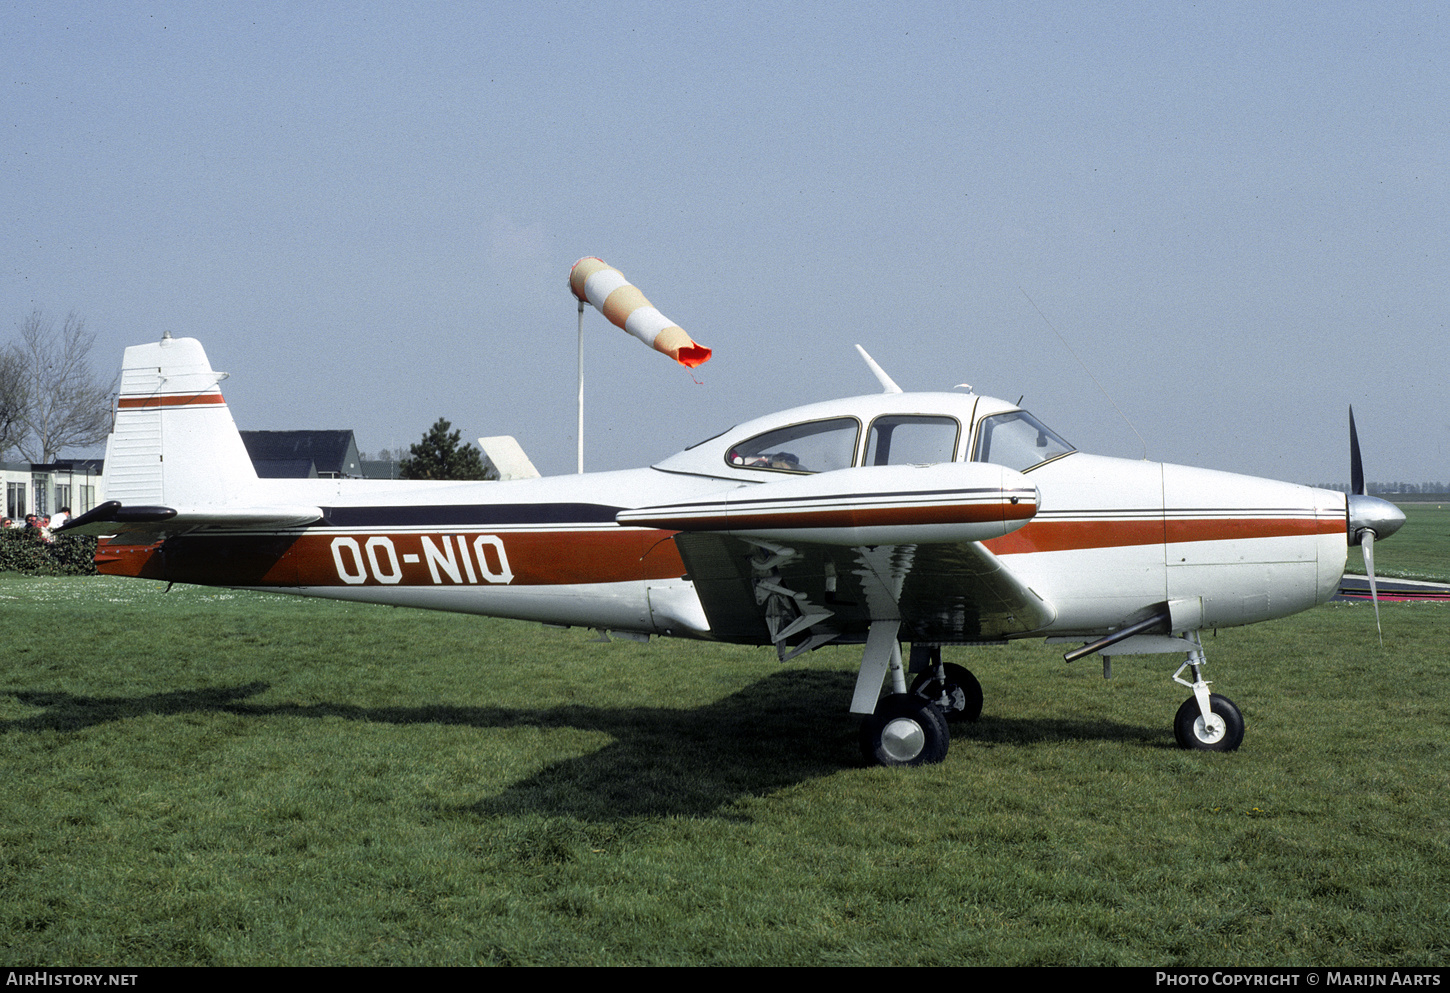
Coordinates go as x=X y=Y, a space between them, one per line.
x=285 y=468
x=374 y=469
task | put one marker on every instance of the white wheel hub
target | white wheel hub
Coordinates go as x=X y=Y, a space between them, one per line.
x=902 y=739
x=1211 y=731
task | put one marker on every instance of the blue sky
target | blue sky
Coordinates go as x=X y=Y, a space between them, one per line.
x=1238 y=215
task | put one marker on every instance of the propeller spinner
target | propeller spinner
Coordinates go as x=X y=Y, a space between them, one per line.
x=1370 y=518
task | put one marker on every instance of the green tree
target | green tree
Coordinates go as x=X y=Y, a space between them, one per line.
x=441 y=456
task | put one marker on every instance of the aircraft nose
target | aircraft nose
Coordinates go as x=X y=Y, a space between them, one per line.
x=1367 y=513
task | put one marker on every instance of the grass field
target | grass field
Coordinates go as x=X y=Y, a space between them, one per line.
x=208 y=777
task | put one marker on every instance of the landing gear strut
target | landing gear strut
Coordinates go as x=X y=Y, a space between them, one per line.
x=902 y=728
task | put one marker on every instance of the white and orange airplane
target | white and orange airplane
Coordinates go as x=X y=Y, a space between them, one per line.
x=929 y=518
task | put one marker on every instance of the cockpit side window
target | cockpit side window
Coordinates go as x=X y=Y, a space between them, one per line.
x=1017 y=440
x=911 y=439
x=818 y=446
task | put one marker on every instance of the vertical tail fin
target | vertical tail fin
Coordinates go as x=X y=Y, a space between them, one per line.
x=174 y=442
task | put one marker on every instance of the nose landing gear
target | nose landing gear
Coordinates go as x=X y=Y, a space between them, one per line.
x=1208 y=722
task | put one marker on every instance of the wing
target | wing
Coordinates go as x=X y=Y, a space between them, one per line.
x=808 y=560
x=804 y=595
x=144 y=525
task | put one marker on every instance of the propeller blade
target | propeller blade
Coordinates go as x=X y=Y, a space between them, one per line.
x=1356 y=465
x=1367 y=519
x=1366 y=545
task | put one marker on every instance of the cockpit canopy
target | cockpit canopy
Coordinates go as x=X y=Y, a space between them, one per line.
x=883 y=429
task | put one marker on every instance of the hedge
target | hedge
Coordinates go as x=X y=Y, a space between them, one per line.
x=22 y=550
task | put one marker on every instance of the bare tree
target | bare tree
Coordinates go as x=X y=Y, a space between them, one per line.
x=12 y=398
x=64 y=404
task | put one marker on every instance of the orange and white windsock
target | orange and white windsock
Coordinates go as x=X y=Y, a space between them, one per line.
x=594 y=281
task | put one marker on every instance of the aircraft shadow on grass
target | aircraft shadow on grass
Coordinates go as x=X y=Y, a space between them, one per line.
x=782 y=730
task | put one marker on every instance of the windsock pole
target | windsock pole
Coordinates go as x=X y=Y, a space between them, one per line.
x=581 y=387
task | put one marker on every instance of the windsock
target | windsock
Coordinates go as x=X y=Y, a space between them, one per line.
x=594 y=281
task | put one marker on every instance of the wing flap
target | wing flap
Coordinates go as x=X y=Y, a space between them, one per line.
x=962 y=592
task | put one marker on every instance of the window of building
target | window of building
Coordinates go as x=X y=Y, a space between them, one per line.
x=15 y=501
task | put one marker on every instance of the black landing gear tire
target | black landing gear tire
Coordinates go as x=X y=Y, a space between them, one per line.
x=963 y=693
x=905 y=730
x=1224 y=733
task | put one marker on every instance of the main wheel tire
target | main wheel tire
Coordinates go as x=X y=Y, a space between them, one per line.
x=905 y=730
x=1223 y=733
x=963 y=693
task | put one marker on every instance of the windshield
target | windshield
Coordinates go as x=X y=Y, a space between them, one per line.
x=1017 y=440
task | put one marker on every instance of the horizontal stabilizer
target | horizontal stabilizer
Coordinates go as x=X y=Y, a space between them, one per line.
x=506 y=457
x=146 y=524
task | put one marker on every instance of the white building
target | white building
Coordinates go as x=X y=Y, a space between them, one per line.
x=44 y=488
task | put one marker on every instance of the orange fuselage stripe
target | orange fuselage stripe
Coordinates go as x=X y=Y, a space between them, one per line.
x=535 y=558
x=1060 y=536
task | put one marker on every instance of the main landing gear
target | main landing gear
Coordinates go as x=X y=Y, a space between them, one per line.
x=909 y=727
x=952 y=688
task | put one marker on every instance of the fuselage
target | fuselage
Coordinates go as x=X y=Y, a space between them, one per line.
x=1096 y=538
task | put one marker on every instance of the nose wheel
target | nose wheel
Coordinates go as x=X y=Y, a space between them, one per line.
x=1222 y=730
